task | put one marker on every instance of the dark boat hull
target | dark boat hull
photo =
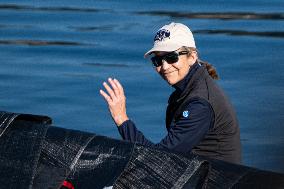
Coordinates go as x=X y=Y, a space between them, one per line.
x=34 y=154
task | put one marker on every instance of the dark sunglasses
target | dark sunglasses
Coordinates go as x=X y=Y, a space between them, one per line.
x=170 y=58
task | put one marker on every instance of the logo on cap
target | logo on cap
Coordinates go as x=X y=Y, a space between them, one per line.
x=162 y=35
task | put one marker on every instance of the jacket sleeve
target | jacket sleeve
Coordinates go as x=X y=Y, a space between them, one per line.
x=187 y=132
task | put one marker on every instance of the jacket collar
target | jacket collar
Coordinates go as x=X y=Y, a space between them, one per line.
x=181 y=85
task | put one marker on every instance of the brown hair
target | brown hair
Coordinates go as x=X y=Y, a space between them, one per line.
x=210 y=68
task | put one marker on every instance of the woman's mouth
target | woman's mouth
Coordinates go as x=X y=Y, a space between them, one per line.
x=169 y=73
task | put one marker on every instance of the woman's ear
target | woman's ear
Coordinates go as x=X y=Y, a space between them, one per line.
x=193 y=57
x=194 y=54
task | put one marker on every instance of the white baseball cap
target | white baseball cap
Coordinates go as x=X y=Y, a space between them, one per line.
x=172 y=37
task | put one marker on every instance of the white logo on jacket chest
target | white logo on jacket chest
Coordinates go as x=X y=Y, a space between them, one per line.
x=185 y=113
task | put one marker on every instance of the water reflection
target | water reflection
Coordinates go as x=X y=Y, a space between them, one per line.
x=5 y=26
x=40 y=43
x=243 y=33
x=25 y=7
x=93 y=28
x=106 y=65
x=217 y=15
x=78 y=75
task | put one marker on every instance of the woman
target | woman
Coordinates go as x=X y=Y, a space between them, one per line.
x=200 y=118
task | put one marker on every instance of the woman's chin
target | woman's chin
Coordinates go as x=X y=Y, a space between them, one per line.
x=170 y=81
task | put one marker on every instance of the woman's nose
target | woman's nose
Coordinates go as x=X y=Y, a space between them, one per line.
x=165 y=65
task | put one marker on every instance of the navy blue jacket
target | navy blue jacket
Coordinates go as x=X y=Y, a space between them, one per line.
x=189 y=130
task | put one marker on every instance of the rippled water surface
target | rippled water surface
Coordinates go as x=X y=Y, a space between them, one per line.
x=54 y=56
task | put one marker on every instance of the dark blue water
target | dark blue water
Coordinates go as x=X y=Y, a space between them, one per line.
x=54 y=56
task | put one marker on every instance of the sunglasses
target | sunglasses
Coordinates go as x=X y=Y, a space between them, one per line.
x=170 y=58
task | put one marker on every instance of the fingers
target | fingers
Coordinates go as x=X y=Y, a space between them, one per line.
x=114 y=87
x=109 y=90
x=115 y=90
x=105 y=95
x=119 y=86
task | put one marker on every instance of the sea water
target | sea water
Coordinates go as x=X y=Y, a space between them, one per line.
x=55 y=55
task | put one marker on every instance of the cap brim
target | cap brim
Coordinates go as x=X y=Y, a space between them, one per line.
x=164 y=48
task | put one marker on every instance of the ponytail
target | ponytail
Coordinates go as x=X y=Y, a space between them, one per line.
x=210 y=69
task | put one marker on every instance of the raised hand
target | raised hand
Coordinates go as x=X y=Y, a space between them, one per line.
x=116 y=100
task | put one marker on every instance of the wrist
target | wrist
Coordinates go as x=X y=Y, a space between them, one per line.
x=119 y=120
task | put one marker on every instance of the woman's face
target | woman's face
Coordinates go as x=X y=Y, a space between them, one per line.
x=175 y=72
